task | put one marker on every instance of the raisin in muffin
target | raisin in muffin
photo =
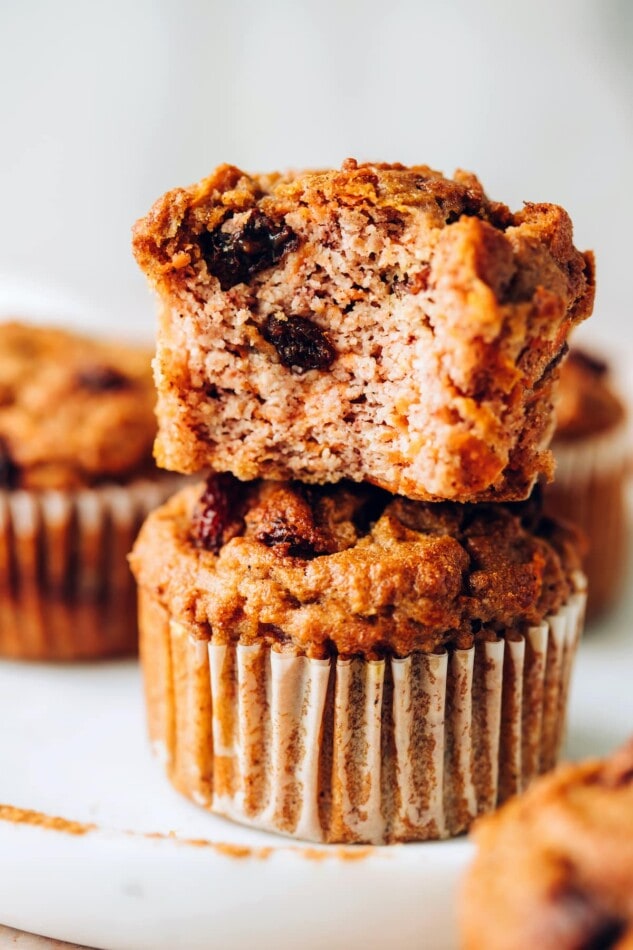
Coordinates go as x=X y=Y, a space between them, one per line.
x=338 y=664
x=76 y=481
x=378 y=323
x=554 y=867
x=592 y=450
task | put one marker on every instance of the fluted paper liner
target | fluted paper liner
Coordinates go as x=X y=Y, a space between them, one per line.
x=66 y=591
x=355 y=750
x=589 y=490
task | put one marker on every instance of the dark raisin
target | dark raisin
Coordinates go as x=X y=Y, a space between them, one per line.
x=593 y=364
x=9 y=472
x=257 y=245
x=219 y=513
x=589 y=926
x=282 y=536
x=373 y=502
x=101 y=379
x=299 y=342
x=286 y=521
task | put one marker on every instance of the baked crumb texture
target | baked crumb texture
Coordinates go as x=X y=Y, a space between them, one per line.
x=554 y=868
x=377 y=323
x=339 y=665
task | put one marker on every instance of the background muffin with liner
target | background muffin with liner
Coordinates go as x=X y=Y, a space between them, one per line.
x=554 y=867
x=76 y=481
x=338 y=664
x=593 y=452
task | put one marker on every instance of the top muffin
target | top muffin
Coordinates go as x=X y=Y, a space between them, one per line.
x=377 y=323
x=73 y=411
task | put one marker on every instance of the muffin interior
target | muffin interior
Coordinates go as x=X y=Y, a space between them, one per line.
x=376 y=322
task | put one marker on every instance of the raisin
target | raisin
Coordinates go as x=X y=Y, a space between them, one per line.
x=287 y=541
x=257 y=245
x=219 y=513
x=102 y=379
x=9 y=472
x=299 y=342
x=286 y=522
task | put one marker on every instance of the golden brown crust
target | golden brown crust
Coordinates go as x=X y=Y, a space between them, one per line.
x=554 y=867
x=587 y=402
x=433 y=320
x=74 y=411
x=348 y=569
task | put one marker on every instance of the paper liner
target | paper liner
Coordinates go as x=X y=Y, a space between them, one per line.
x=66 y=591
x=589 y=490
x=355 y=750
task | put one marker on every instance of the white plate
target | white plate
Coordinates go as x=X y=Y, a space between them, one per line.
x=72 y=743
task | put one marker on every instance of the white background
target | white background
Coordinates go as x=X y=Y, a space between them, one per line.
x=106 y=105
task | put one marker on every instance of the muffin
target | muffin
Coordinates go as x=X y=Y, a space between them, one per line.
x=76 y=481
x=338 y=664
x=592 y=452
x=377 y=323
x=554 y=867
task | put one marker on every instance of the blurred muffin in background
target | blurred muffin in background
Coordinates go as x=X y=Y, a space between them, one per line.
x=76 y=481
x=591 y=448
x=554 y=867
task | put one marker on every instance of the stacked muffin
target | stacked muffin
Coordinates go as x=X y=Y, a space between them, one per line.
x=358 y=629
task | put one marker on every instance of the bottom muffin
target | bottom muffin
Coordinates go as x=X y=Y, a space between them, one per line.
x=337 y=664
x=554 y=867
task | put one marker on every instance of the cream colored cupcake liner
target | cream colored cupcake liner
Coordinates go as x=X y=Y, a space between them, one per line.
x=66 y=591
x=589 y=490
x=355 y=750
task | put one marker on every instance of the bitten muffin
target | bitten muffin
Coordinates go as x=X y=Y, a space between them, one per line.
x=377 y=323
x=76 y=481
x=554 y=867
x=341 y=665
x=592 y=451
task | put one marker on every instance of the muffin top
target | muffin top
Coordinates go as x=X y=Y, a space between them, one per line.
x=554 y=868
x=179 y=229
x=350 y=569
x=587 y=403
x=73 y=411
